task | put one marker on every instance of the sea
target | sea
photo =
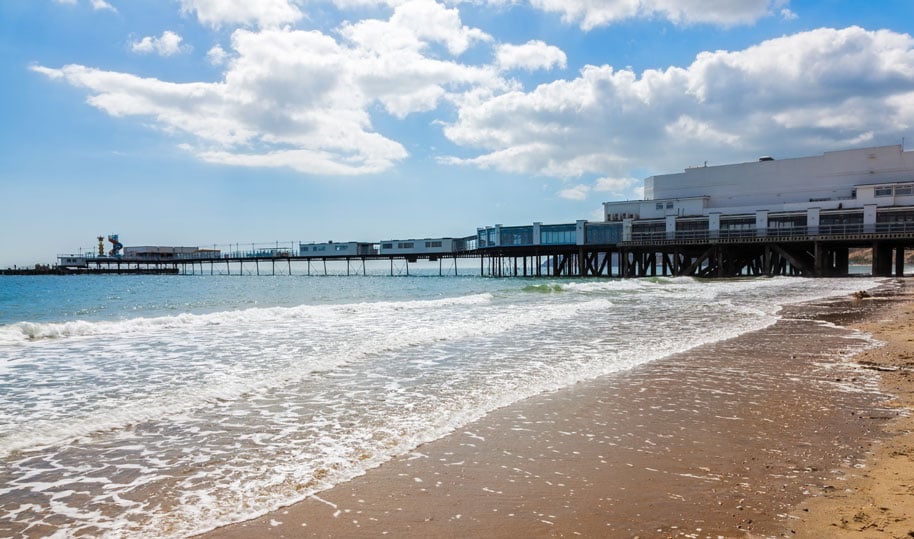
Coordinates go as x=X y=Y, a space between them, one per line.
x=164 y=406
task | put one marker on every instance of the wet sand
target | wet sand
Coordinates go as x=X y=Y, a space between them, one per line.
x=722 y=441
x=878 y=500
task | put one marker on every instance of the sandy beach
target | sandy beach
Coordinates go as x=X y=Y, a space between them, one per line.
x=877 y=500
x=788 y=431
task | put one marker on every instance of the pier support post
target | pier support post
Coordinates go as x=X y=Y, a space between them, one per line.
x=882 y=260
x=899 y=261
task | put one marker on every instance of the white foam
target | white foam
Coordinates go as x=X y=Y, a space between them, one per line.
x=28 y=331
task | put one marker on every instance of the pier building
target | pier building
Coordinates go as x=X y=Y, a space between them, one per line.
x=802 y=213
x=842 y=190
x=347 y=248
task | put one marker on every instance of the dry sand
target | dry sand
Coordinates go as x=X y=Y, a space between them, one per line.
x=726 y=440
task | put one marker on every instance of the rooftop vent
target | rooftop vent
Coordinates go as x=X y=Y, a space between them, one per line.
x=766 y=158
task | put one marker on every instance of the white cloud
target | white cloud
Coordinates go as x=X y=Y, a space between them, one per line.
x=590 y=14
x=615 y=186
x=168 y=44
x=301 y=99
x=414 y=25
x=217 y=55
x=788 y=15
x=804 y=93
x=530 y=56
x=97 y=5
x=261 y=13
x=577 y=192
x=102 y=5
x=391 y=62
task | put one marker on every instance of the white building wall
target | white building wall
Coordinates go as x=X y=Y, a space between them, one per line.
x=812 y=220
x=832 y=175
x=670 y=226
x=761 y=222
x=579 y=231
x=617 y=211
x=869 y=218
x=714 y=224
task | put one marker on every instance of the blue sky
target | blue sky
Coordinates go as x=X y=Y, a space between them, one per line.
x=202 y=122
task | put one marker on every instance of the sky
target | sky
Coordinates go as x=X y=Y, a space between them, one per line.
x=215 y=122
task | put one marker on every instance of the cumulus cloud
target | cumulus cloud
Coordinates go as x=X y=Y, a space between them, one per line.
x=301 y=99
x=102 y=5
x=414 y=25
x=615 y=186
x=796 y=94
x=168 y=44
x=530 y=56
x=217 y=55
x=590 y=14
x=97 y=5
x=260 y=13
x=577 y=192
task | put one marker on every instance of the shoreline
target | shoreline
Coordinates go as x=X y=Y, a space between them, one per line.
x=698 y=444
x=878 y=499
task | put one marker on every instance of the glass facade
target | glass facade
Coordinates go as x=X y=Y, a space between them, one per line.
x=795 y=221
x=557 y=234
x=743 y=223
x=603 y=234
x=517 y=235
x=696 y=225
x=486 y=238
x=841 y=219
x=895 y=217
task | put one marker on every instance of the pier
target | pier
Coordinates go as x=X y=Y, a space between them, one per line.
x=799 y=216
x=581 y=250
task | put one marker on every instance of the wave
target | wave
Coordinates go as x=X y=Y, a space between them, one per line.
x=543 y=288
x=348 y=339
x=24 y=332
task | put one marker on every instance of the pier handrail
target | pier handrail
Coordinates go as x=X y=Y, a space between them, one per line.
x=835 y=231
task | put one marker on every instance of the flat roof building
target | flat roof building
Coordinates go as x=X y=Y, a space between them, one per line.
x=848 y=179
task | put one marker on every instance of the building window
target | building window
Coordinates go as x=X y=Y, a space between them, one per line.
x=387 y=246
x=903 y=190
x=883 y=191
x=405 y=245
x=669 y=205
x=660 y=205
x=558 y=237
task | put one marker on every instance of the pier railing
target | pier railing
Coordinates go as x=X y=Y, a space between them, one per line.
x=830 y=231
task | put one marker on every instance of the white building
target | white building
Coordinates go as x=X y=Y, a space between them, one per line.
x=858 y=188
x=422 y=246
x=331 y=249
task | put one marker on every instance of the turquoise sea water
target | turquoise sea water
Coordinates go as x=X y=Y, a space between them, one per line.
x=167 y=405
